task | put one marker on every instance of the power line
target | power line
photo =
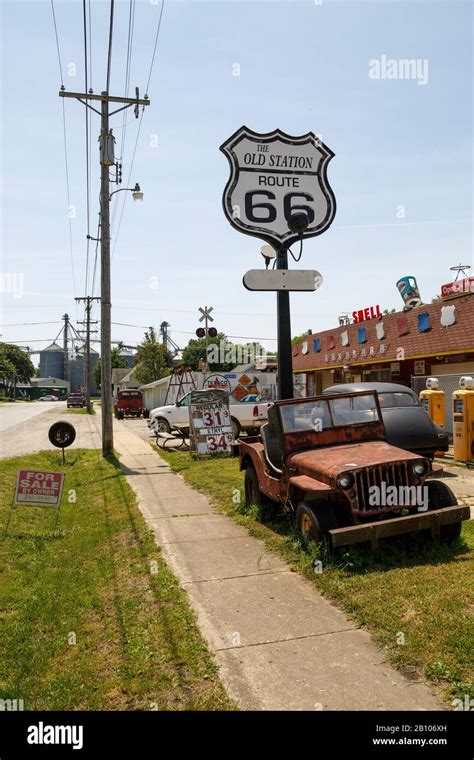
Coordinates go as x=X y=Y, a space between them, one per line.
x=155 y=46
x=65 y=149
x=109 y=56
x=57 y=44
x=158 y=28
x=23 y=324
x=84 y=17
x=187 y=332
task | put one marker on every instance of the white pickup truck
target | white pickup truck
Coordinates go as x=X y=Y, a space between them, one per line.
x=246 y=416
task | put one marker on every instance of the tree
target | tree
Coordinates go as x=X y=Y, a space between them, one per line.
x=221 y=358
x=153 y=361
x=12 y=356
x=299 y=339
x=117 y=363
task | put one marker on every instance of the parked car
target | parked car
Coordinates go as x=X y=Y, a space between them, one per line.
x=407 y=424
x=76 y=399
x=327 y=460
x=130 y=403
x=244 y=417
x=49 y=397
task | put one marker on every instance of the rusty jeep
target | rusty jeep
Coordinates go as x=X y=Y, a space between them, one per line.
x=327 y=460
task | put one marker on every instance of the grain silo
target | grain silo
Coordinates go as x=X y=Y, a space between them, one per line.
x=52 y=362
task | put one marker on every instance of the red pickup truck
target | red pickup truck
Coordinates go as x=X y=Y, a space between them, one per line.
x=130 y=404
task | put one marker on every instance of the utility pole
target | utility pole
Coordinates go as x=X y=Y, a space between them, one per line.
x=87 y=358
x=106 y=160
x=66 y=346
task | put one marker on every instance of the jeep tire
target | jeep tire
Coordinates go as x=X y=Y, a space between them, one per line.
x=314 y=520
x=439 y=496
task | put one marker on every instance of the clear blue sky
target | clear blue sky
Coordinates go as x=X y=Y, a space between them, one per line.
x=303 y=66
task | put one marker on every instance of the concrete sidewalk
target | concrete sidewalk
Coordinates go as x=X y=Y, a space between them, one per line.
x=278 y=643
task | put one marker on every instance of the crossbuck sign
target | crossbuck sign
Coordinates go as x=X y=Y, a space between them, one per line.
x=274 y=176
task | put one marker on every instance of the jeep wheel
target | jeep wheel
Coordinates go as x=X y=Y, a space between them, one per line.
x=439 y=496
x=253 y=495
x=314 y=520
x=162 y=425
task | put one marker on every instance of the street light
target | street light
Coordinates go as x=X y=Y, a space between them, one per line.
x=136 y=192
x=268 y=252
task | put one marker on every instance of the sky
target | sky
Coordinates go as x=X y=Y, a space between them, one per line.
x=402 y=172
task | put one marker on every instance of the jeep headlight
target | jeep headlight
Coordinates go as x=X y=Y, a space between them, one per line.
x=419 y=468
x=345 y=481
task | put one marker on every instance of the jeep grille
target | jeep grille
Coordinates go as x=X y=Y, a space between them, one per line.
x=395 y=474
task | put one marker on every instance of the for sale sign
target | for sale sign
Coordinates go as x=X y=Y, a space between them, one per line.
x=273 y=177
x=39 y=487
x=210 y=423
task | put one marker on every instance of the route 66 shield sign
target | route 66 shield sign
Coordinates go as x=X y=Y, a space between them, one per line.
x=274 y=176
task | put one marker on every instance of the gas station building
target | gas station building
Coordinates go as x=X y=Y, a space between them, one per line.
x=403 y=347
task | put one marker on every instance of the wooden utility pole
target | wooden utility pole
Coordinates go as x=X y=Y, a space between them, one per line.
x=106 y=160
x=87 y=348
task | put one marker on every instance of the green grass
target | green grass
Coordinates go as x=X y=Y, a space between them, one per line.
x=80 y=410
x=97 y=579
x=410 y=590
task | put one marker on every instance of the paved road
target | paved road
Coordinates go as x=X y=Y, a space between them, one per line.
x=24 y=427
x=14 y=414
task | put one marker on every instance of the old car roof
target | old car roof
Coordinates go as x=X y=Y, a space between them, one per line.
x=380 y=387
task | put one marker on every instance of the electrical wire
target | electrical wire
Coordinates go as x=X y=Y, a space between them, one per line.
x=157 y=35
x=23 y=324
x=300 y=253
x=187 y=332
x=88 y=204
x=111 y=31
x=68 y=194
x=131 y=27
x=57 y=44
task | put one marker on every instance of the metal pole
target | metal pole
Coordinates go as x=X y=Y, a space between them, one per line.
x=105 y=303
x=88 y=356
x=285 y=364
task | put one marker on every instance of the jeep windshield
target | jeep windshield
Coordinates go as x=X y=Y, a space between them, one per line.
x=320 y=414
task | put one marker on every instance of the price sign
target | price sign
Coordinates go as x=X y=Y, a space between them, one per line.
x=210 y=423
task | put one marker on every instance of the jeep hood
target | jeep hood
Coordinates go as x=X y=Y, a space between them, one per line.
x=331 y=461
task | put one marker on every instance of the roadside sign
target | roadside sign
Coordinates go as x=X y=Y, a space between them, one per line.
x=274 y=176
x=218 y=382
x=209 y=423
x=39 y=487
x=282 y=279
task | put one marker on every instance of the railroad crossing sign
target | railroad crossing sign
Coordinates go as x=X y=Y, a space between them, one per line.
x=206 y=313
x=273 y=177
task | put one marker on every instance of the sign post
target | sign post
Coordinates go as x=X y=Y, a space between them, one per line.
x=278 y=191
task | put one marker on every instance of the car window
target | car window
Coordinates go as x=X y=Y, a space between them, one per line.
x=185 y=400
x=396 y=399
x=354 y=410
x=308 y=415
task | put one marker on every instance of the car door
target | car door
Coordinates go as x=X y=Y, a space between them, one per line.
x=180 y=414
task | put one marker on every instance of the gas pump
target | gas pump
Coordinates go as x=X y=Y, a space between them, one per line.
x=463 y=420
x=433 y=401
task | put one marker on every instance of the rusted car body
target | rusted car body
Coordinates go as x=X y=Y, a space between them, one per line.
x=321 y=457
x=130 y=404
